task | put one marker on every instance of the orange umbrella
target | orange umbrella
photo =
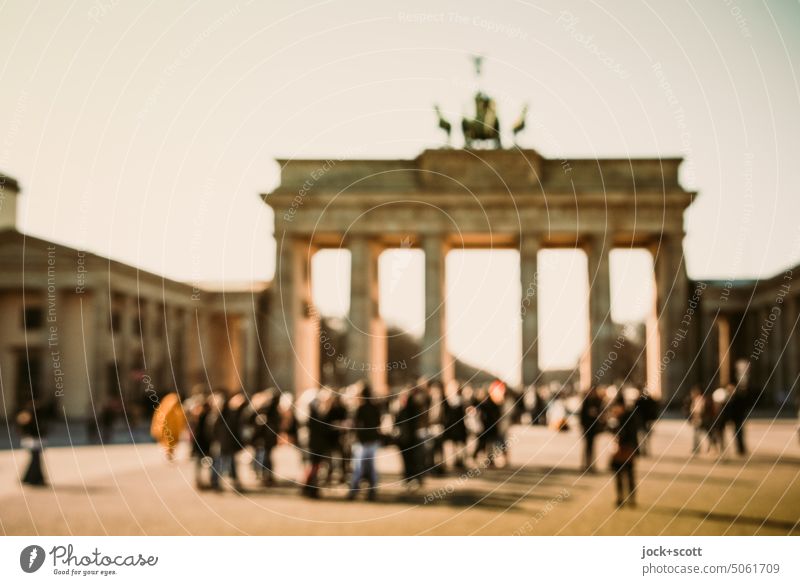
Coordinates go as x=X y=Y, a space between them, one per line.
x=169 y=422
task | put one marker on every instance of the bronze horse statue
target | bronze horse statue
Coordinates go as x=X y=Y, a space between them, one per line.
x=485 y=126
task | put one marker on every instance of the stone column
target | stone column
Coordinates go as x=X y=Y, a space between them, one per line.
x=366 y=336
x=293 y=323
x=435 y=362
x=724 y=349
x=601 y=328
x=791 y=359
x=777 y=356
x=249 y=351
x=529 y=276
x=672 y=290
x=709 y=349
x=124 y=338
x=100 y=310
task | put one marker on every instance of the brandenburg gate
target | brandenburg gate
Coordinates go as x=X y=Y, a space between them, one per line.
x=448 y=199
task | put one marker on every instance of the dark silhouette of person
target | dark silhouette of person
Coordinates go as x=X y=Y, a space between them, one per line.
x=624 y=423
x=32 y=420
x=455 y=427
x=366 y=424
x=591 y=423
x=228 y=440
x=408 y=425
x=647 y=408
x=318 y=440
x=737 y=409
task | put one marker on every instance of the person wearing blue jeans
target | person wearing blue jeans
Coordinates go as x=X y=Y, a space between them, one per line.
x=366 y=423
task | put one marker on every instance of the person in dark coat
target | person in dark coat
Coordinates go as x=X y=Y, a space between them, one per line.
x=591 y=416
x=268 y=426
x=736 y=412
x=647 y=408
x=339 y=452
x=408 y=425
x=32 y=420
x=228 y=440
x=455 y=427
x=318 y=440
x=200 y=411
x=489 y=413
x=624 y=424
x=366 y=425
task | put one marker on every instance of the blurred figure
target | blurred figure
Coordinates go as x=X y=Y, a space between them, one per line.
x=409 y=440
x=591 y=422
x=623 y=423
x=338 y=446
x=268 y=425
x=227 y=440
x=490 y=441
x=366 y=424
x=737 y=409
x=539 y=413
x=199 y=408
x=718 y=420
x=647 y=408
x=455 y=427
x=32 y=421
x=318 y=440
x=169 y=422
x=434 y=444
x=694 y=410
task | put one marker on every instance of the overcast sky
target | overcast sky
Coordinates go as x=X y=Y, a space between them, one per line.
x=145 y=131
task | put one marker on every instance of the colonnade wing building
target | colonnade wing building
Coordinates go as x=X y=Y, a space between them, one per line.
x=84 y=329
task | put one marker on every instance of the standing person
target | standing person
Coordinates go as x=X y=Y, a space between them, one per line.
x=268 y=428
x=695 y=408
x=227 y=440
x=624 y=425
x=489 y=440
x=32 y=421
x=647 y=408
x=337 y=440
x=736 y=411
x=318 y=440
x=435 y=421
x=199 y=408
x=408 y=425
x=366 y=424
x=455 y=431
x=719 y=401
x=591 y=423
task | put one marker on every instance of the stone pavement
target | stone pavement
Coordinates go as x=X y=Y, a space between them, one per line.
x=131 y=489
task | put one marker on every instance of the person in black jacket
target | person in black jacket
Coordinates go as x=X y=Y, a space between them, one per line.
x=624 y=423
x=737 y=409
x=591 y=422
x=489 y=440
x=268 y=427
x=455 y=427
x=318 y=427
x=227 y=440
x=366 y=424
x=408 y=425
x=32 y=420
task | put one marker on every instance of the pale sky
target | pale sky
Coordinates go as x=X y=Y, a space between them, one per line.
x=145 y=131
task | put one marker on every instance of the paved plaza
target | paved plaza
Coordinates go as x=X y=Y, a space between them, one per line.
x=132 y=490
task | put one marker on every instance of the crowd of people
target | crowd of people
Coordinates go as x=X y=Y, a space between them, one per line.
x=436 y=428
x=339 y=432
